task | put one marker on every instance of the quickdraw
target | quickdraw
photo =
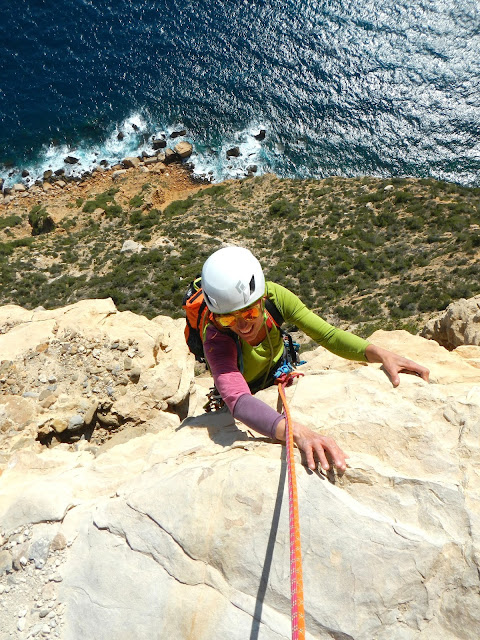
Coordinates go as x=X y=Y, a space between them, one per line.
x=296 y=576
x=214 y=401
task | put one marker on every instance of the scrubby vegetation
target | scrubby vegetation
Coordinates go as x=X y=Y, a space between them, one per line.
x=364 y=252
x=40 y=220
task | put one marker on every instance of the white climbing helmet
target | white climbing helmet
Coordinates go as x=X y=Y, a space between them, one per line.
x=232 y=279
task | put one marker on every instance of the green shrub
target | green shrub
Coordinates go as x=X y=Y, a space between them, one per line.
x=216 y=190
x=136 y=202
x=101 y=201
x=40 y=220
x=10 y=221
x=346 y=312
x=179 y=207
x=283 y=208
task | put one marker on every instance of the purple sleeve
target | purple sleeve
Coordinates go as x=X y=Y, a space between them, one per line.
x=257 y=415
x=221 y=354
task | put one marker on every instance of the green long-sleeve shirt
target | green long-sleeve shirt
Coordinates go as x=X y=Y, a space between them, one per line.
x=257 y=360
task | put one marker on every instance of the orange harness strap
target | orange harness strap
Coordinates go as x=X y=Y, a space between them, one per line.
x=296 y=576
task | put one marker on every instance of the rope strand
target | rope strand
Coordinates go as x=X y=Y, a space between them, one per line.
x=296 y=575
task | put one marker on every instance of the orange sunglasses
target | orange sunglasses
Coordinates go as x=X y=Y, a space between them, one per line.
x=229 y=319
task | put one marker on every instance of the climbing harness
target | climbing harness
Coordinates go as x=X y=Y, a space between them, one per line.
x=296 y=578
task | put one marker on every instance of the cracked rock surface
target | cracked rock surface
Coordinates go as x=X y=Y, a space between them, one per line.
x=182 y=532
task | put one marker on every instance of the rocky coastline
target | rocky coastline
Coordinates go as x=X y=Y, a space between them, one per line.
x=162 y=152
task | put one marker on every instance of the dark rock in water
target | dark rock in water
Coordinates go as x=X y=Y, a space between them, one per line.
x=70 y=160
x=60 y=172
x=177 y=134
x=47 y=174
x=25 y=173
x=104 y=163
x=260 y=135
x=1 y=184
x=233 y=153
x=120 y=136
x=134 y=127
x=159 y=144
x=252 y=168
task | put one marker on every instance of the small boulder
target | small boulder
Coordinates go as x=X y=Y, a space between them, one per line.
x=159 y=144
x=177 y=134
x=234 y=152
x=170 y=156
x=76 y=422
x=131 y=162
x=118 y=174
x=70 y=160
x=6 y=562
x=260 y=135
x=130 y=246
x=183 y=149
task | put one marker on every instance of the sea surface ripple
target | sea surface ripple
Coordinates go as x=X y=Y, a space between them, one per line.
x=342 y=87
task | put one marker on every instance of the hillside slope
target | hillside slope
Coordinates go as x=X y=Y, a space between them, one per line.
x=366 y=251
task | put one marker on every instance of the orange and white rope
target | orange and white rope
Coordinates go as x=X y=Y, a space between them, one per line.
x=296 y=574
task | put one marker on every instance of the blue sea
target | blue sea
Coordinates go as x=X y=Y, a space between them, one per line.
x=341 y=87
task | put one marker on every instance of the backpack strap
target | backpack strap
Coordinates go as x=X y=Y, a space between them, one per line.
x=274 y=312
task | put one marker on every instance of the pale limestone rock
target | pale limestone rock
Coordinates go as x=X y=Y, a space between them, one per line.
x=183 y=532
x=24 y=336
x=130 y=246
x=73 y=345
x=458 y=325
x=183 y=149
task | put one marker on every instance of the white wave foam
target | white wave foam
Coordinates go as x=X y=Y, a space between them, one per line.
x=135 y=134
x=213 y=162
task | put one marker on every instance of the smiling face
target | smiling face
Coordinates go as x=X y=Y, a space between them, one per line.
x=246 y=323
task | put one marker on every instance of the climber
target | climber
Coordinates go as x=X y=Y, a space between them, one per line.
x=243 y=346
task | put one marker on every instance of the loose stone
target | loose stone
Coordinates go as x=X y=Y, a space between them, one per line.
x=75 y=422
